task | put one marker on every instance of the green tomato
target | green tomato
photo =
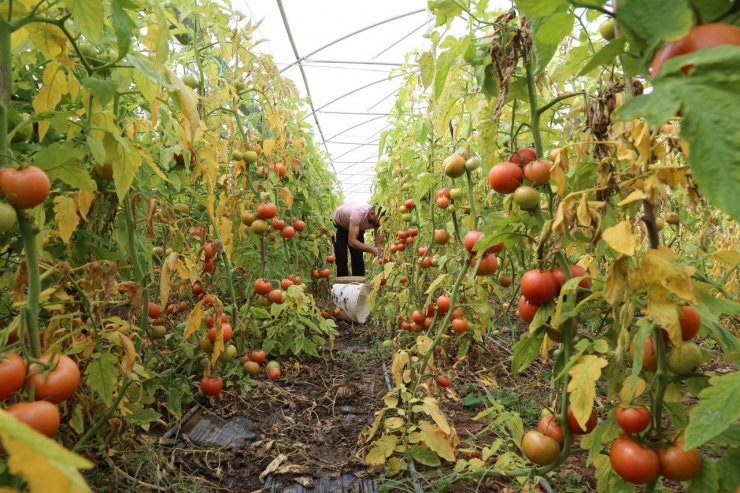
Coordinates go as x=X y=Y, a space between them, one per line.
x=388 y=343
x=273 y=364
x=250 y=157
x=190 y=81
x=456 y=193
x=406 y=217
x=157 y=332
x=237 y=156
x=686 y=360
x=607 y=29
x=527 y=197
x=473 y=163
x=228 y=354
x=8 y=217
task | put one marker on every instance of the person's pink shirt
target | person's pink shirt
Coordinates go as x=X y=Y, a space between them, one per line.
x=353 y=212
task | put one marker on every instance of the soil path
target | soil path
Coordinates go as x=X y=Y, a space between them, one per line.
x=296 y=433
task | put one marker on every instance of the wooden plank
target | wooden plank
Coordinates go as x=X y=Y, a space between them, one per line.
x=349 y=280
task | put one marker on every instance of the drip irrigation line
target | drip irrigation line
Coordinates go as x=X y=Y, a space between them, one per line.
x=299 y=60
x=305 y=80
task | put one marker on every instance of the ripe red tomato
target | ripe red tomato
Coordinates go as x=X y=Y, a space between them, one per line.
x=209 y=265
x=299 y=225
x=267 y=210
x=443 y=381
x=428 y=322
x=459 y=325
x=690 y=322
x=286 y=283
x=679 y=464
x=262 y=286
x=413 y=231
x=539 y=448
x=209 y=320
x=418 y=317
x=402 y=235
x=154 y=310
x=59 y=383
x=549 y=426
x=197 y=289
x=442 y=202
x=409 y=204
x=259 y=356
x=422 y=250
x=426 y=263
x=288 y=232
x=523 y=156
x=227 y=330
x=700 y=37
x=634 y=462
x=277 y=224
x=441 y=236
x=504 y=280
x=24 y=188
x=405 y=325
x=211 y=386
x=488 y=264
x=208 y=250
x=575 y=428
x=330 y=259
x=649 y=354
x=199 y=232
x=575 y=271
x=12 y=375
x=276 y=296
x=538 y=172
x=633 y=419
x=42 y=416
x=539 y=286
x=224 y=318
x=443 y=304
x=505 y=177
x=273 y=373
x=527 y=310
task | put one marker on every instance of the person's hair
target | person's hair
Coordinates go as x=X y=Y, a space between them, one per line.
x=379 y=211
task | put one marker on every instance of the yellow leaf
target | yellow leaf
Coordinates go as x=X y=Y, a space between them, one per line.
x=83 y=200
x=267 y=146
x=431 y=407
x=635 y=195
x=727 y=257
x=584 y=218
x=657 y=270
x=45 y=465
x=630 y=392
x=187 y=101
x=164 y=279
x=437 y=440
x=129 y=353
x=582 y=386
x=559 y=170
x=225 y=228
x=423 y=343
x=390 y=400
x=51 y=92
x=400 y=360
x=394 y=423
x=48 y=38
x=287 y=197
x=194 y=319
x=614 y=289
x=65 y=211
x=664 y=313
x=620 y=238
x=381 y=450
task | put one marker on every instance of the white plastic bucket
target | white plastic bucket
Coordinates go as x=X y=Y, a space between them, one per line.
x=352 y=300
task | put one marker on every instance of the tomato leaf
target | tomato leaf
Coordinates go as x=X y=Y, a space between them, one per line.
x=540 y=8
x=526 y=350
x=582 y=386
x=547 y=33
x=707 y=479
x=727 y=470
x=65 y=212
x=716 y=411
x=381 y=450
x=65 y=162
x=605 y=56
x=101 y=375
x=437 y=440
x=656 y=20
x=423 y=455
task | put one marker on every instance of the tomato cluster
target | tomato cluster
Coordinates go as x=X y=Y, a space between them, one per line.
x=52 y=380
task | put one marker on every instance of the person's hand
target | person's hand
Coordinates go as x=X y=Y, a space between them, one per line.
x=379 y=251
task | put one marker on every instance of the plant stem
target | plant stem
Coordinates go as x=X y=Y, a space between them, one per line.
x=104 y=418
x=229 y=270
x=34 y=283
x=135 y=261
x=661 y=374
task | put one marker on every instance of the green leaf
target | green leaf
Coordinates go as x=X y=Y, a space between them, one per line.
x=605 y=56
x=526 y=350
x=66 y=163
x=728 y=472
x=547 y=33
x=141 y=416
x=607 y=480
x=103 y=89
x=442 y=68
x=706 y=480
x=656 y=20
x=490 y=82
x=731 y=436
x=445 y=10
x=423 y=455
x=717 y=409
x=381 y=450
x=89 y=16
x=101 y=376
x=541 y=8
x=605 y=432
x=711 y=10
x=121 y=25
x=426 y=66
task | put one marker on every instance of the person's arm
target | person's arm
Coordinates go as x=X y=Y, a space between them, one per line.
x=354 y=230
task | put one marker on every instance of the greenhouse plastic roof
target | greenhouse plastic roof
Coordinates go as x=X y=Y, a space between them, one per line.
x=350 y=83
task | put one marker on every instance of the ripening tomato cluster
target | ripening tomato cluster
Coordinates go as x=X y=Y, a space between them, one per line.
x=508 y=177
x=251 y=362
x=22 y=188
x=258 y=224
x=421 y=320
x=50 y=381
x=542 y=446
x=538 y=287
x=488 y=261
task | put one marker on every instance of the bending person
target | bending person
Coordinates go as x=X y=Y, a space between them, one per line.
x=352 y=219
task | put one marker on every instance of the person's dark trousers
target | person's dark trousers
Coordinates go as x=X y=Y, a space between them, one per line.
x=341 y=245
